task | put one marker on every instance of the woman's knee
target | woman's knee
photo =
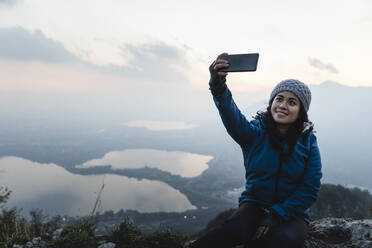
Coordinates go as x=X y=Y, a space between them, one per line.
x=242 y=224
x=286 y=236
x=293 y=239
x=246 y=217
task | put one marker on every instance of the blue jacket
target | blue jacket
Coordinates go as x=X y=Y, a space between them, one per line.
x=287 y=186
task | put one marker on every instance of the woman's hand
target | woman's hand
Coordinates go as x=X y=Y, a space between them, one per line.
x=217 y=82
x=261 y=231
x=270 y=221
x=220 y=64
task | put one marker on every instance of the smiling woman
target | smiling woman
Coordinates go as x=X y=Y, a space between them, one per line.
x=282 y=163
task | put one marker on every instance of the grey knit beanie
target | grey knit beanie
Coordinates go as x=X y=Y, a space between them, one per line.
x=296 y=87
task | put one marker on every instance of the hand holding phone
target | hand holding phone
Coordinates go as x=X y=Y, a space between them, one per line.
x=240 y=62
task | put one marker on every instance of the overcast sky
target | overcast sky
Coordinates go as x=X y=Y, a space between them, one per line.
x=112 y=45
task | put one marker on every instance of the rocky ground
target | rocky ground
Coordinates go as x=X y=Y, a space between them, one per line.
x=323 y=233
x=340 y=233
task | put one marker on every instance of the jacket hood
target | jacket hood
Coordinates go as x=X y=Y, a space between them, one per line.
x=308 y=127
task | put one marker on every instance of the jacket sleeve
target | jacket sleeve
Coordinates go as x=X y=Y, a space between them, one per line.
x=307 y=193
x=241 y=130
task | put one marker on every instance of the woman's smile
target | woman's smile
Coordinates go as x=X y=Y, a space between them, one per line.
x=281 y=114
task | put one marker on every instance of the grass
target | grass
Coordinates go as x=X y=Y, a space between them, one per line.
x=128 y=235
x=15 y=229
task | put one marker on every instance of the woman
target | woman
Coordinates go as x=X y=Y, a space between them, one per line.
x=282 y=163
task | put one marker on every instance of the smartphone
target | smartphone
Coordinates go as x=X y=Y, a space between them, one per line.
x=241 y=62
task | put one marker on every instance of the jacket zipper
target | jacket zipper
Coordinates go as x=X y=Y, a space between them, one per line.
x=277 y=179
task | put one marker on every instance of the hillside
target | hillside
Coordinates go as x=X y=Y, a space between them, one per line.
x=352 y=207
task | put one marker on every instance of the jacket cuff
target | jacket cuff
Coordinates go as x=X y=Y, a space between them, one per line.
x=279 y=211
x=219 y=92
x=218 y=89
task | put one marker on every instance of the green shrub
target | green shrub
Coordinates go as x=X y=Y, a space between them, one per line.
x=125 y=233
x=13 y=228
x=79 y=231
x=168 y=238
x=4 y=195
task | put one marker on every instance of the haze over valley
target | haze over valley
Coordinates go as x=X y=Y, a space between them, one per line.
x=193 y=158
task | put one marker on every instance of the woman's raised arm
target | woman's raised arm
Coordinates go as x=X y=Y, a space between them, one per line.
x=241 y=130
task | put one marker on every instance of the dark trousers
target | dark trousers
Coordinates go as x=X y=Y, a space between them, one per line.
x=240 y=227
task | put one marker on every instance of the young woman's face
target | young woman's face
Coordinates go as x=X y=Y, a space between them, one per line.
x=285 y=109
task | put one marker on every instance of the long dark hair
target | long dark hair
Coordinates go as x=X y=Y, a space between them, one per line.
x=294 y=131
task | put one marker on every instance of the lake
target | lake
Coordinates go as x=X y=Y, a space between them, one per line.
x=56 y=190
x=178 y=163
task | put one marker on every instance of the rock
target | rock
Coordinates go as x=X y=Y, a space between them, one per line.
x=188 y=243
x=57 y=233
x=107 y=245
x=29 y=244
x=339 y=233
x=36 y=241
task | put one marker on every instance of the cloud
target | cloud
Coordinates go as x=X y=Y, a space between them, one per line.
x=151 y=61
x=158 y=50
x=20 y=44
x=9 y=2
x=314 y=62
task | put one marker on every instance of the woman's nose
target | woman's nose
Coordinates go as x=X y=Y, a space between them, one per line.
x=283 y=105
